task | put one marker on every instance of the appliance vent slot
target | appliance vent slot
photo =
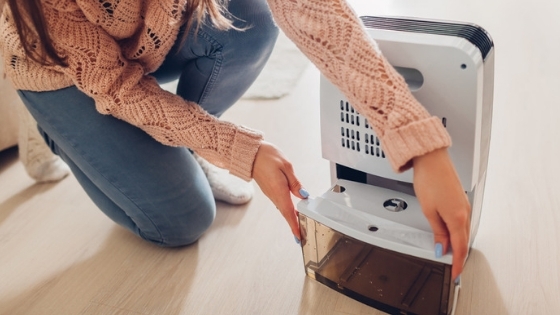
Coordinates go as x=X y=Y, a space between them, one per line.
x=348 y=114
x=471 y=32
x=353 y=135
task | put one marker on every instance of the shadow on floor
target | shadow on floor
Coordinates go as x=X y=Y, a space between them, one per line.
x=125 y=276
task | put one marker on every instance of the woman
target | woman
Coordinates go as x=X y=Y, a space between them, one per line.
x=73 y=59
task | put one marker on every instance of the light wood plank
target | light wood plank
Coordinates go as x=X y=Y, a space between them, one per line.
x=60 y=255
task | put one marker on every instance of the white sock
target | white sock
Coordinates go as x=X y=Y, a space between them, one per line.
x=53 y=169
x=225 y=186
x=39 y=162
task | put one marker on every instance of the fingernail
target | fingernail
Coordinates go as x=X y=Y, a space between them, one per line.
x=297 y=240
x=303 y=193
x=458 y=280
x=439 y=250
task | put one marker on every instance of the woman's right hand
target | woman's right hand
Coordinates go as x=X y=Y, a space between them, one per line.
x=275 y=176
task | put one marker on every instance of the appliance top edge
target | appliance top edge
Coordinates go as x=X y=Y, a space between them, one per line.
x=473 y=33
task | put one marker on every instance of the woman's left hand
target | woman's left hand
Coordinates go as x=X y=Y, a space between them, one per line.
x=444 y=204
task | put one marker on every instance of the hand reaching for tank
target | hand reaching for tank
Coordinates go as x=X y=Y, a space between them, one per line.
x=275 y=176
x=444 y=204
x=436 y=184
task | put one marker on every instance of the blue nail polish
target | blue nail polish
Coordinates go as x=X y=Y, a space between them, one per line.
x=439 y=250
x=297 y=240
x=458 y=280
x=303 y=193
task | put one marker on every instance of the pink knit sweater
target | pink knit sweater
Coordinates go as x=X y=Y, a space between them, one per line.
x=112 y=45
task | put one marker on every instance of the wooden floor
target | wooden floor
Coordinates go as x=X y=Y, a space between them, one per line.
x=60 y=255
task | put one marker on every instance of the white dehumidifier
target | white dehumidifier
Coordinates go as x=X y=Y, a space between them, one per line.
x=367 y=236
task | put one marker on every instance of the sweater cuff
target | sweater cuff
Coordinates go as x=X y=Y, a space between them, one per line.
x=415 y=139
x=245 y=146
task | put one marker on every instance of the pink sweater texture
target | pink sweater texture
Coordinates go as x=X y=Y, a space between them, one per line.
x=111 y=48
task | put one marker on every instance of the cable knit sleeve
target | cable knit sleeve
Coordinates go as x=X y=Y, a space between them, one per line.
x=120 y=88
x=334 y=39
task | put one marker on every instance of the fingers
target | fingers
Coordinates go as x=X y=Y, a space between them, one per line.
x=295 y=185
x=454 y=233
x=459 y=243
x=279 y=194
x=286 y=208
x=460 y=251
x=275 y=176
x=297 y=189
x=458 y=238
x=441 y=234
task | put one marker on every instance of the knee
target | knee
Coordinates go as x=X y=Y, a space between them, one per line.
x=183 y=229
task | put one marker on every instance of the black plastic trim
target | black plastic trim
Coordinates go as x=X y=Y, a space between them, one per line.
x=471 y=32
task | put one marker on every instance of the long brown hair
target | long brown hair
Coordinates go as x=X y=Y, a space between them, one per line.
x=30 y=24
x=33 y=33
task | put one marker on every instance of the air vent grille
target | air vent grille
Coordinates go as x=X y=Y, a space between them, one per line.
x=356 y=134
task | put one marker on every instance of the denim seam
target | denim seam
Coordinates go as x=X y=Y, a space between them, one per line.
x=217 y=64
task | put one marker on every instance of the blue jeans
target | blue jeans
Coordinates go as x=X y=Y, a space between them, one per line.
x=158 y=192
